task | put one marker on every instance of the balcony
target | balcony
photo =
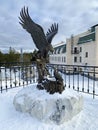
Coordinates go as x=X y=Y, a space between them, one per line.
x=74 y=51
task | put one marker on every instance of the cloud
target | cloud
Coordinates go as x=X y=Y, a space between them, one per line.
x=73 y=17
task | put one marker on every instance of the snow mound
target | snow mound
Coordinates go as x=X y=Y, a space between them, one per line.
x=56 y=108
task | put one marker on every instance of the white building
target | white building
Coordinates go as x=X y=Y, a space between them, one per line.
x=59 y=54
x=81 y=49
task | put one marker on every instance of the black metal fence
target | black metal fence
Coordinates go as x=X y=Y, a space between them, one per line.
x=17 y=74
x=80 y=78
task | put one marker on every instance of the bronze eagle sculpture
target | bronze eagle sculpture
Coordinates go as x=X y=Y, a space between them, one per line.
x=41 y=57
x=42 y=41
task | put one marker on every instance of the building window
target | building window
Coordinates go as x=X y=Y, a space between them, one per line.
x=80 y=59
x=58 y=59
x=64 y=59
x=54 y=51
x=80 y=49
x=57 y=50
x=75 y=59
x=75 y=50
x=86 y=54
x=55 y=58
x=75 y=69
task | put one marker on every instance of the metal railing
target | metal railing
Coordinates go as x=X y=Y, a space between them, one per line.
x=17 y=74
x=79 y=78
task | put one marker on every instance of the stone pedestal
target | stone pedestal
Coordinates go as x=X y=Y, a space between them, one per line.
x=56 y=108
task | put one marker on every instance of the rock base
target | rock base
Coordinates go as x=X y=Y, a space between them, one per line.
x=56 y=108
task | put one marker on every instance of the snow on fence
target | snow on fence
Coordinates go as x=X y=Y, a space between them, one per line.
x=80 y=78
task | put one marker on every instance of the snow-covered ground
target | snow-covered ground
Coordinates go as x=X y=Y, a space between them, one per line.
x=10 y=119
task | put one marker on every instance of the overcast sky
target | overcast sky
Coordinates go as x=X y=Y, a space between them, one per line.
x=73 y=17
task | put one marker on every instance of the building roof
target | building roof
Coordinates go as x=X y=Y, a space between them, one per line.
x=60 y=49
x=88 y=38
x=94 y=25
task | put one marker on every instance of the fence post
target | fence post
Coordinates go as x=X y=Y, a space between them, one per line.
x=83 y=82
x=10 y=77
x=65 y=75
x=1 y=79
x=88 y=83
x=69 y=78
x=73 y=78
x=78 y=80
x=94 y=84
x=5 y=79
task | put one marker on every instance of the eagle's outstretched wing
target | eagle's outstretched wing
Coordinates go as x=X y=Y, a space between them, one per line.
x=51 y=32
x=34 y=29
